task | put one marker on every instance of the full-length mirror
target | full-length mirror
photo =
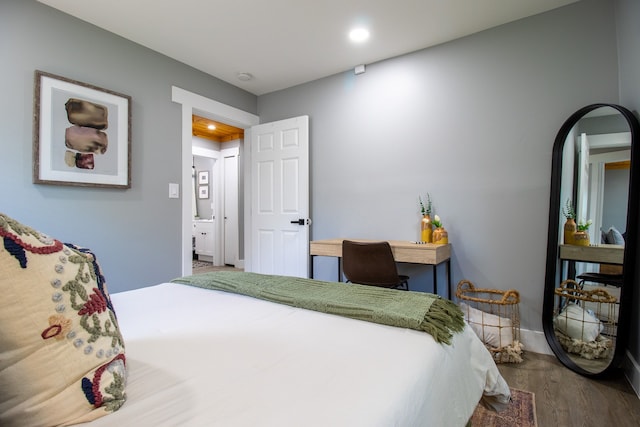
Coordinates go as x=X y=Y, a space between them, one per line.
x=593 y=215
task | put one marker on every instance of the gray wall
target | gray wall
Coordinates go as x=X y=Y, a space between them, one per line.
x=135 y=233
x=204 y=205
x=472 y=122
x=627 y=13
x=616 y=199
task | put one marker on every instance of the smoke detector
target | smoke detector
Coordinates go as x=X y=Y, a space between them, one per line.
x=245 y=77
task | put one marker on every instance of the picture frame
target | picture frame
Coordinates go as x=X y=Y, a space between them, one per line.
x=203 y=177
x=81 y=134
x=203 y=192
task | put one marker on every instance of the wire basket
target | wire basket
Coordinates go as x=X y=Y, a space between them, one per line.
x=585 y=319
x=494 y=315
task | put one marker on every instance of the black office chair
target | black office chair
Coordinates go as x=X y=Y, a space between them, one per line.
x=371 y=263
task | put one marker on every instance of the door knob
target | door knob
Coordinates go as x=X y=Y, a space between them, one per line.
x=301 y=221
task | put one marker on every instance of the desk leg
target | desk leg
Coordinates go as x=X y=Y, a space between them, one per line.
x=435 y=279
x=571 y=270
x=448 y=266
x=311 y=267
x=311 y=257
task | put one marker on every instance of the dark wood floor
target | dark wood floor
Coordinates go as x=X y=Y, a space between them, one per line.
x=566 y=399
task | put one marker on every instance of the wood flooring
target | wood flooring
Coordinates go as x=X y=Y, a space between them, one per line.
x=566 y=399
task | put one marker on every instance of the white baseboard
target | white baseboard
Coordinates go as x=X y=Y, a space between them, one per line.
x=534 y=341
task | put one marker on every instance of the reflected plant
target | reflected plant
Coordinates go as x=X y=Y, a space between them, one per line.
x=568 y=210
x=584 y=226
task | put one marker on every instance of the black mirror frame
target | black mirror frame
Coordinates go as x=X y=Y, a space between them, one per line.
x=629 y=260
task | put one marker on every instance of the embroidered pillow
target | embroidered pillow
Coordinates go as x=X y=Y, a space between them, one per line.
x=61 y=352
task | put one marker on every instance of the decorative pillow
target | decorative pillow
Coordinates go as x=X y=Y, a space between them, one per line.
x=492 y=330
x=614 y=237
x=61 y=352
x=578 y=323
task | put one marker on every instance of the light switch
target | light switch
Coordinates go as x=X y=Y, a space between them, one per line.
x=174 y=190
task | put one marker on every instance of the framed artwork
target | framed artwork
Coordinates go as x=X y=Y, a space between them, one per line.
x=81 y=134
x=203 y=192
x=203 y=177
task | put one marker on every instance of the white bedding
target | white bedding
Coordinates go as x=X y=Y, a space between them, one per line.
x=199 y=357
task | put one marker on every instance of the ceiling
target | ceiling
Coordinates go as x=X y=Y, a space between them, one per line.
x=283 y=43
x=220 y=133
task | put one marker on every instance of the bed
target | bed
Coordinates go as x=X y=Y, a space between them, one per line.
x=198 y=356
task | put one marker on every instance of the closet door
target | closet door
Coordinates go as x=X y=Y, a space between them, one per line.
x=230 y=209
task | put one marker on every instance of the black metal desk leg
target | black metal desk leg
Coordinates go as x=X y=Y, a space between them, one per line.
x=435 y=280
x=311 y=266
x=448 y=266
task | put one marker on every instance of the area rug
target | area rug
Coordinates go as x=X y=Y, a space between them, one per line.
x=199 y=264
x=521 y=412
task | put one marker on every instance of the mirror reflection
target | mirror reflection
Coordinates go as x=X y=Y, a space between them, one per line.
x=591 y=237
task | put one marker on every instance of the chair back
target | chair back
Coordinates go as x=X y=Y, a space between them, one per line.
x=369 y=263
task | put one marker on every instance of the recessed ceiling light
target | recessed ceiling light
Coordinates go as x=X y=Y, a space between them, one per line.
x=245 y=77
x=211 y=127
x=359 y=35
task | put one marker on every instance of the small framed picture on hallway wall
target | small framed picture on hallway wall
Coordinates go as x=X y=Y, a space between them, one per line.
x=203 y=177
x=203 y=192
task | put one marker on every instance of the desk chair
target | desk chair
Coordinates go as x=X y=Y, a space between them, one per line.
x=609 y=275
x=371 y=263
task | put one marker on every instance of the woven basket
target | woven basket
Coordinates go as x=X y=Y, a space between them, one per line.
x=597 y=315
x=494 y=315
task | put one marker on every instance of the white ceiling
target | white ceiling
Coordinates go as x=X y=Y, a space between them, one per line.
x=283 y=43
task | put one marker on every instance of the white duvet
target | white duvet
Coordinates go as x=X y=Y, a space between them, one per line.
x=199 y=357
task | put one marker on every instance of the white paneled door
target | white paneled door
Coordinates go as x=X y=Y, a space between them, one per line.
x=230 y=208
x=280 y=197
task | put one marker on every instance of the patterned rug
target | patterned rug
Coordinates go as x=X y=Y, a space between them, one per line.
x=199 y=264
x=521 y=412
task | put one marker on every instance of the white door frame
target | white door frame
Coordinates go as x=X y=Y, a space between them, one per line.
x=193 y=103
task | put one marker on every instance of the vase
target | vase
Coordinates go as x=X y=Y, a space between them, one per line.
x=440 y=236
x=569 y=230
x=581 y=238
x=426 y=229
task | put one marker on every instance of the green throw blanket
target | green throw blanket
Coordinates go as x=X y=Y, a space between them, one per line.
x=414 y=310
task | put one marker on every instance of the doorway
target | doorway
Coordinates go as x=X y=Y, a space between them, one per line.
x=219 y=209
x=196 y=104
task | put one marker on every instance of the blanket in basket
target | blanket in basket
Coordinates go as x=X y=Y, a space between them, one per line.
x=414 y=310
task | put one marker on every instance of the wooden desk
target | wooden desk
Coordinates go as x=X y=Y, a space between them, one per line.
x=403 y=251
x=600 y=254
